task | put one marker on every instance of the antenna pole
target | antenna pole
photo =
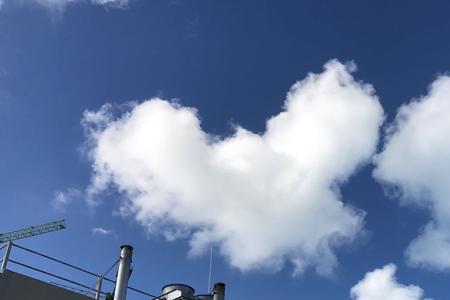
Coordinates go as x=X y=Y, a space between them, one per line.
x=210 y=268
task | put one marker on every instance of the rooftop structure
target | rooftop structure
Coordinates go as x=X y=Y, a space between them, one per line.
x=32 y=231
x=19 y=286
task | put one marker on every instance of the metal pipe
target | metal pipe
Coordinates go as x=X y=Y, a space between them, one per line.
x=6 y=257
x=219 y=291
x=124 y=272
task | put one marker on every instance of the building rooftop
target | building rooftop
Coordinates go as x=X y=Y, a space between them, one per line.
x=21 y=286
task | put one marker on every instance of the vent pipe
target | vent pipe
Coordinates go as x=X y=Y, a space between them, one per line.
x=219 y=291
x=124 y=272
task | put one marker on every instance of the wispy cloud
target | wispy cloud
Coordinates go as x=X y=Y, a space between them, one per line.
x=103 y=231
x=63 y=199
x=263 y=199
x=416 y=161
x=382 y=284
x=60 y=5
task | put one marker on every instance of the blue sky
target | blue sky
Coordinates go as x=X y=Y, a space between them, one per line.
x=234 y=62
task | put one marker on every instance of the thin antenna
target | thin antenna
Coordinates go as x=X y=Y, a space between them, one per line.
x=210 y=268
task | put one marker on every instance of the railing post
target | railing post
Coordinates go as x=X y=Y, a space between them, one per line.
x=98 y=288
x=6 y=257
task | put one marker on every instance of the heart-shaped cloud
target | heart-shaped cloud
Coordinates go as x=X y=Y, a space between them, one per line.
x=261 y=198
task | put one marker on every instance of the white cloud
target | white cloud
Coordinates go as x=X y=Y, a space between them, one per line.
x=381 y=284
x=416 y=161
x=102 y=231
x=263 y=199
x=62 y=199
x=104 y=2
x=59 y=5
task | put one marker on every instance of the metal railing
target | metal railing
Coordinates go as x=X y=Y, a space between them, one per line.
x=100 y=278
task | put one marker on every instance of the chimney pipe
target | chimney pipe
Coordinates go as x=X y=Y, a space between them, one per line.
x=124 y=272
x=219 y=291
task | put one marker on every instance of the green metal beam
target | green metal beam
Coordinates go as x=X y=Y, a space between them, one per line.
x=32 y=231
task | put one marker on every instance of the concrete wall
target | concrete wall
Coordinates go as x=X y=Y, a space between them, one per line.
x=15 y=286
